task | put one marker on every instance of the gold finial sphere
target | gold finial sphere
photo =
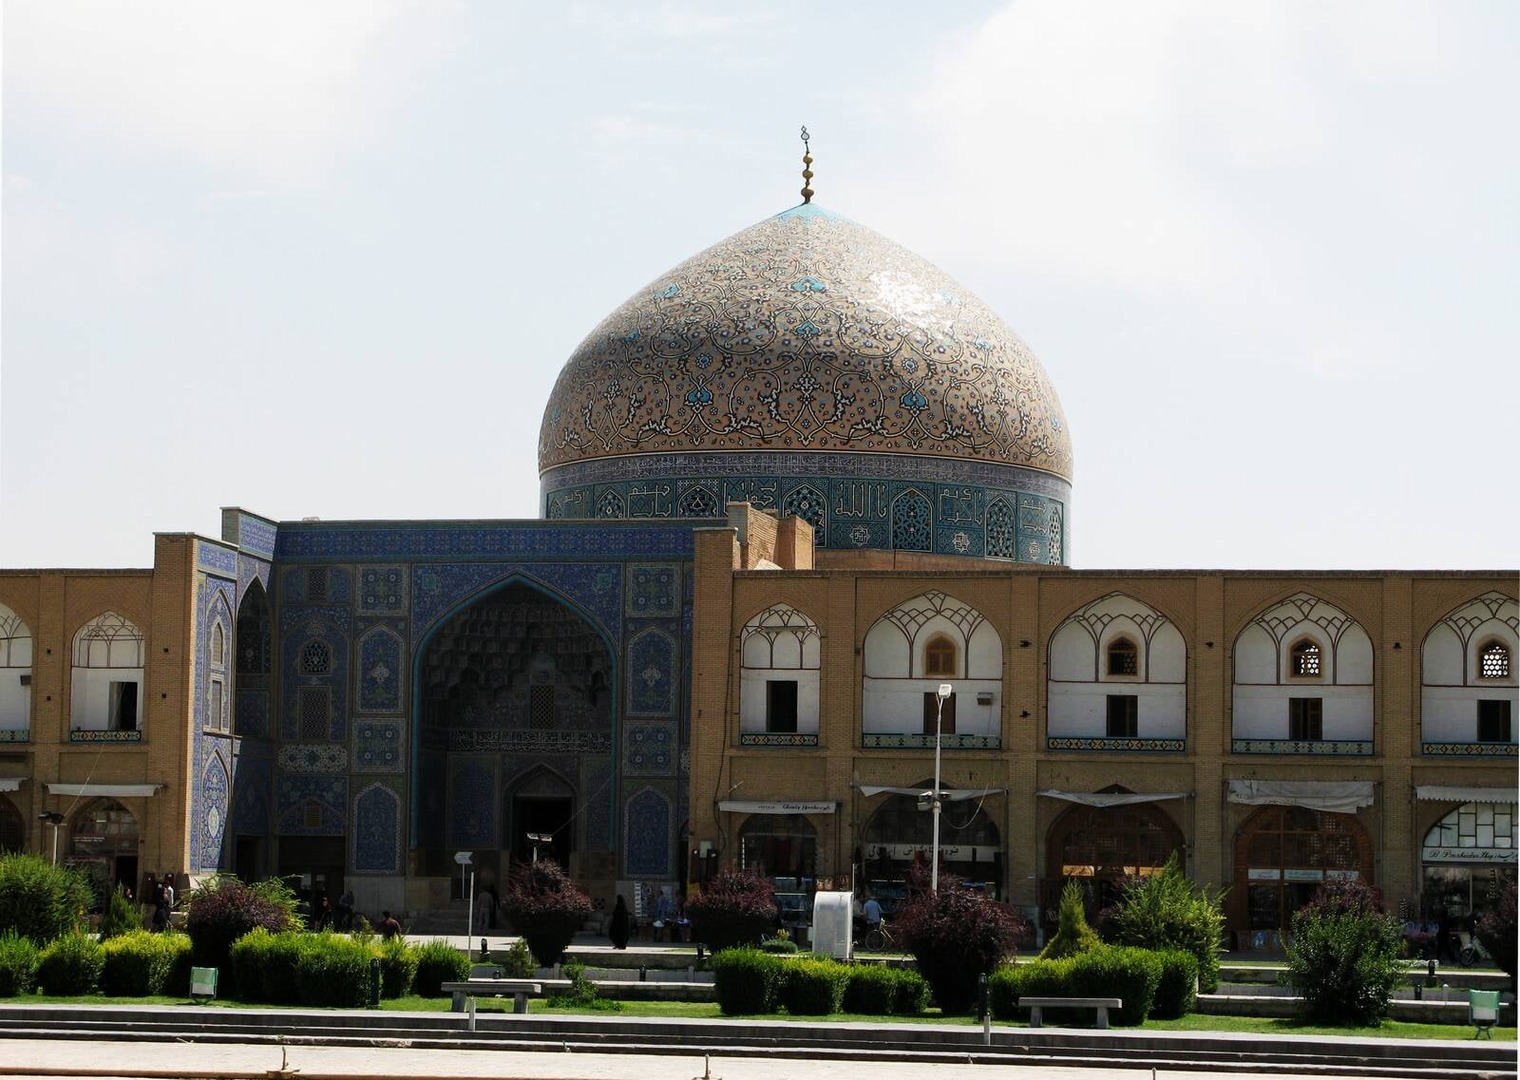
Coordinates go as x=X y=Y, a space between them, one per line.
x=807 y=172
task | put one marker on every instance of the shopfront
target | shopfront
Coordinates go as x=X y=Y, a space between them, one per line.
x=1469 y=855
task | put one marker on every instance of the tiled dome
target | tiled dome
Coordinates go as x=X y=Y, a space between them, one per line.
x=803 y=351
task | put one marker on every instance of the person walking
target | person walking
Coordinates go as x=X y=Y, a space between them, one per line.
x=618 y=928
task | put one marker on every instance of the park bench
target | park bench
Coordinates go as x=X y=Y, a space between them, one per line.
x=1102 y=1005
x=518 y=988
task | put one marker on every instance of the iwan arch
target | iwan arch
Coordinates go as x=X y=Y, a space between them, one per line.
x=789 y=488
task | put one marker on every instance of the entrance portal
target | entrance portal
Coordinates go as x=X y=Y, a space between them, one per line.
x=540 y=816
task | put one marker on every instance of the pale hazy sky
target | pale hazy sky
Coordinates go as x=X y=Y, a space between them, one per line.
x=328 y=258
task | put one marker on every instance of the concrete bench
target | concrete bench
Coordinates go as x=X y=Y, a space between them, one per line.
x=1102 y=1005
x=518 y=988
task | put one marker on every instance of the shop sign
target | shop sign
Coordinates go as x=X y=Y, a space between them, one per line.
x=89 y=839
x=946 y=854
x=1505 y=856
x=1303 y=875
x=746 y=806
x=1266 y=874
x=1342 y=875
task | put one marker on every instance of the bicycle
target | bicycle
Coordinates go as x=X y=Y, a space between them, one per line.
x=1473 y=953
x=878 y=938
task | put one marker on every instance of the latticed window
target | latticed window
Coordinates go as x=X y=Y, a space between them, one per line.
x=214 y=718
x=541 y=707
x=1000 y=531
x=910 y=523
x=1493 y=661
x=316 y=585
x=316 y=658
x=1123 y=658
x=218 y=645
x=1305 y=660
x=314 y=712
x=939 y=656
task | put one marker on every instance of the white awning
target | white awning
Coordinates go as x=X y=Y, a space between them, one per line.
x=950 y=794
x=749 y=806
x=1337 y=796
x=1113 y=798
x=114 y=791
x=1447 y=793
x=11 y=783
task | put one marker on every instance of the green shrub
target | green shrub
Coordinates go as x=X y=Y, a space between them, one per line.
x=871 y=991
x=1177 y=993
x=39 y=900
x=1037 y=978
x=546 y=907
x=583 y=993
x=398 y=967
x=18 y=965
x=1167 y=911
x=333 y=971
x=224 y=909
x=1344 y=955
x=747 y=981
x=735 y=908
x=956 y=935
x=812 y=987
x=177 y=981
x=1072 y=935
x=121 y=916
x=912 y=996
x=518 y=962
x=1120 y=971
x=136 y=964
x=70 y=965
x=779 y=946
x=264 y=965
x=438 y=962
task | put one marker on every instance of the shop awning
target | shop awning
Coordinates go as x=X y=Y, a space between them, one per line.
x=11 y=783
x=1336 y=796
x=749 y=806
x=1448 y=793
x=114 y=791
x=1114 y=798
x=950 y=794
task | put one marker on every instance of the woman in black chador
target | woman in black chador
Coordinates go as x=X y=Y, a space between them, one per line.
x=617 y=929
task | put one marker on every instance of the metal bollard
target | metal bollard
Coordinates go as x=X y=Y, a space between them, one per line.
x=983 y=1007
x=485 y=951
x=643 y=973
x=1430 y=973
x=374 y=982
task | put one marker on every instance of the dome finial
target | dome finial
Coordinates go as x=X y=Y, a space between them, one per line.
x=807 y=171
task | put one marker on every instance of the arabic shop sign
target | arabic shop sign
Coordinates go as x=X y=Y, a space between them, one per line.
x=1498 y=856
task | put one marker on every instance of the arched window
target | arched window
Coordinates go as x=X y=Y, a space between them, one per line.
x=1304 y=660
x=1493 y=661
x=939 y=657
x=107 y=679
x=218 y=646
x=1123 y=657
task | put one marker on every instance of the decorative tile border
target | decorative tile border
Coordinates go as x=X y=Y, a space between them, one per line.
x=1319 y=747
x=1104 y=744
x=768 y=738
x=1475 y=749
x=78 y=736
x=16 y=736
x=907 y=741
x=530 y=742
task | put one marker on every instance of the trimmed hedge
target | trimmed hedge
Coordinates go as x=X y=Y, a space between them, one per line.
x=871 y=991
x=140 y=964
x=398 y=968
x=1120 y=971
x=70 y=966
x=913 y=993
x=438 y=962
x=264 y=965
x=1037 y=978
x=18 y=965
x=334 y=971
x=1177 y=993
x=224 y=909
x=747 y=981
x=813 y=987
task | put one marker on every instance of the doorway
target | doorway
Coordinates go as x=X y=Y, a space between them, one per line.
x=543 y=815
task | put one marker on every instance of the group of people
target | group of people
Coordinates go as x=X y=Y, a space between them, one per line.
x=669 y=922
x=158 y=895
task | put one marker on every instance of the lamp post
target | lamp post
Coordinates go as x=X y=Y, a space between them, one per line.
x=944 y=691
x=55 y=819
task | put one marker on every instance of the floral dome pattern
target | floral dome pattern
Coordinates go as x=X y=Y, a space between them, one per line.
x=790 y=364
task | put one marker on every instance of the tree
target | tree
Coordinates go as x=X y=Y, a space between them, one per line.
x=225 y=908
x=41 y=901
x=1167 y=911
x=1072 y=935
x=1344 y=955
x=735 y=908
x=546 y=907
x=956 y=935
x=1496 y=930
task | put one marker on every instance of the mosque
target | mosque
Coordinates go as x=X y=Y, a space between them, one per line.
x=803 y=545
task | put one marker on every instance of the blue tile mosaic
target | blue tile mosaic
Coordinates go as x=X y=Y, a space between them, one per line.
x=253 y=784
x=388 y=543
x=472 y=805
x=651 y=673
x=378 y=746
x=650 y=749
x=213 y=558
x=377 y=831
x=654 y=590
x=253 y=534
x=594 y=588
x=648 y=835
x=380 y=669
x=215 y=786
x=382 y=589
x=312 y=805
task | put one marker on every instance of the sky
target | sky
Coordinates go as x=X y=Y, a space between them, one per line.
x=328 y=259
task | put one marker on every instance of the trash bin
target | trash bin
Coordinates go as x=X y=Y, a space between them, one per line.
x=203 y=982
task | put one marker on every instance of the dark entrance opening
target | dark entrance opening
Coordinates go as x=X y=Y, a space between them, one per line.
x=248 y=862
x=543 y=815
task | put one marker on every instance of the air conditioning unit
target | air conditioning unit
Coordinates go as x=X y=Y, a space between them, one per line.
x=984 y=697
x=26 y=679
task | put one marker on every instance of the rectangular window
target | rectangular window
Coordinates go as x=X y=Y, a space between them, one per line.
x=1306 y=718
x=781 y=706
x=1494 y=720
x=314 y=712
x=946 y=718
x=541 y=707
x=1123 y=716
x=123 y=707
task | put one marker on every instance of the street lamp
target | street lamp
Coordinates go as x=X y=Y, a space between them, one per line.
x=944 y=691
x=55 y=819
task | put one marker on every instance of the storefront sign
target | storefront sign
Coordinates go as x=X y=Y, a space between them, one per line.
x=1498 y=856
x=1270 y=874
x=1303 y=875
x=747 y=806
x=1342 y=875
x=907 y=851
